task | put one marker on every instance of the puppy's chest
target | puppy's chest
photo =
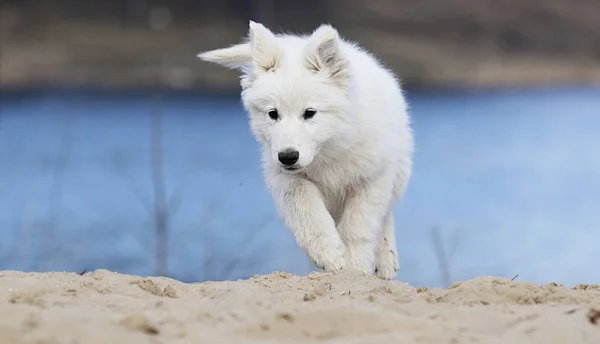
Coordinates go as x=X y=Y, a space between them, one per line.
x=336 y=186
x=335 y=198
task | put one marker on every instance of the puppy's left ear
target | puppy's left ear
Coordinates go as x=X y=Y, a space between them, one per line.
x=261 y=51
x=265 y=49
x=323 y=54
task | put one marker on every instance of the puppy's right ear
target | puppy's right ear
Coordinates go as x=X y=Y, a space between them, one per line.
x=235 y=57
x=323 y=54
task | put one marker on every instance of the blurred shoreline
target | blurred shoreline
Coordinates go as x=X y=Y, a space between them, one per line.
x=466 y=44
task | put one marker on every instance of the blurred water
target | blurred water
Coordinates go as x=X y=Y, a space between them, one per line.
x=509 y=179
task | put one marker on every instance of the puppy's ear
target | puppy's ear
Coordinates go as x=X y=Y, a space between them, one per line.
x=265 y=50
x=235 y=57
x=323 y=54
x=260 y=50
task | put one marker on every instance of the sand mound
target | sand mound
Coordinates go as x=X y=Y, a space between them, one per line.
x=106 y=307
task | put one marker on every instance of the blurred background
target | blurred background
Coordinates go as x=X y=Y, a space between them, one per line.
x=119 y=149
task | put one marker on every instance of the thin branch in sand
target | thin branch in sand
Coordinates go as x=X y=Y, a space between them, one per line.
x=441 y=255
x=158 y=182
x=160 y=206
x=208 y=241
x=218 y=266
x=25 y=233
x=174 y=201
x=56 y=185
x=118 y=160
x=249 y=238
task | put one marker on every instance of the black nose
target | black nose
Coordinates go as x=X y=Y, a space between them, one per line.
x=288 y=157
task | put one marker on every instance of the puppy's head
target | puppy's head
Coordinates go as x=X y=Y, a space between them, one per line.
x=296 y=90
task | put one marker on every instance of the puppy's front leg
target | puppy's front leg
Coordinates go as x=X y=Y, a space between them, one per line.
x=362 y=221
x=306 y=216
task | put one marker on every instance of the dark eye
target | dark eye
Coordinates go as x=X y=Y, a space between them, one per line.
x=309 y=113
x=273 y=114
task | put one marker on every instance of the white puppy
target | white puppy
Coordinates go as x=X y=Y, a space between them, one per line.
x=336 y=141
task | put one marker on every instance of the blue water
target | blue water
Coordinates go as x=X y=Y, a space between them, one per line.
x=510 y=179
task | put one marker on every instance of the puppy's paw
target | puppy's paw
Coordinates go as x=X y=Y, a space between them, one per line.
x=386 y=264
x=329 y=256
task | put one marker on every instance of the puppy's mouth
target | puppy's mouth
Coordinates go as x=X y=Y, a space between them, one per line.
x=292 y=169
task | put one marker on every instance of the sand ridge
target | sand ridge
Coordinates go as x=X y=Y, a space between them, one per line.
x=344 y=307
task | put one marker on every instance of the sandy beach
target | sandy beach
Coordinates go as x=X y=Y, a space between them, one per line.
x=107 y=307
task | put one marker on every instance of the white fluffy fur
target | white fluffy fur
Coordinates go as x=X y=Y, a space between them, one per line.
x=355 y=154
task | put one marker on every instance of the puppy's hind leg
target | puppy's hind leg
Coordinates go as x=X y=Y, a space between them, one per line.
x=386 y=255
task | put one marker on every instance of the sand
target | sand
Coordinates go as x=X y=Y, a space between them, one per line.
x=107 y=307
